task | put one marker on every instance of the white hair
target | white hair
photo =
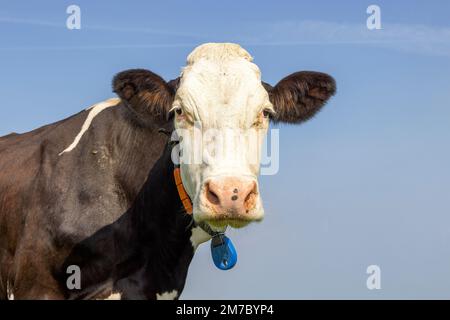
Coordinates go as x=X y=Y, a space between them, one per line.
x=218 y=51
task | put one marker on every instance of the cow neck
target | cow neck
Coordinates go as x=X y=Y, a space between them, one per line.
x=158 y=204
x=154 y=201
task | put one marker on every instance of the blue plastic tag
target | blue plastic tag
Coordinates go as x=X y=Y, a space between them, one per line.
x=223 y=252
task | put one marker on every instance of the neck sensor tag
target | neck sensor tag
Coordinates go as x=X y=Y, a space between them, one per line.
x=223 y=252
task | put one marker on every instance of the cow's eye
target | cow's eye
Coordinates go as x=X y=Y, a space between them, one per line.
x=266 y=113
x=179 y=111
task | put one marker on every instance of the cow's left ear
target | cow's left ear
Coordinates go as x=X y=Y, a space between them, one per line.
x=146 y=92
x=299 y=96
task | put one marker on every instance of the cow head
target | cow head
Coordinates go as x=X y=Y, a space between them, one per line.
x=221 y=111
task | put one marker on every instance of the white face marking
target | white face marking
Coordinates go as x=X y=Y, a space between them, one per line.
x=169 y=295
x=221 y=89
x=198 y=237
x=94 y=111
x=115 y=296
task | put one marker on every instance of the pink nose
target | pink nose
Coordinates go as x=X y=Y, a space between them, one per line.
x=231 y=197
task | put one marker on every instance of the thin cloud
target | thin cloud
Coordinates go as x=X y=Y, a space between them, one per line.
x=62 y=25
x=99 y=47
x=30 y=22
x=418 y=39
x=413 y=38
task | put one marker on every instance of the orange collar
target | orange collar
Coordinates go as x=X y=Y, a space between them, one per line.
x=187 y=204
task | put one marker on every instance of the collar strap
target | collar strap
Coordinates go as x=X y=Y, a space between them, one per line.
x=187 y=203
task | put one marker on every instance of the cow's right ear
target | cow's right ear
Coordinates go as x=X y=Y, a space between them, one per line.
x=146 y=92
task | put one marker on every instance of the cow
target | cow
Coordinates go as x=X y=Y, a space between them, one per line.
x=97 y=190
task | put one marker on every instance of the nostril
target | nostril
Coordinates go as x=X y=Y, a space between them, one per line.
x=211 y=195
x=250 y=199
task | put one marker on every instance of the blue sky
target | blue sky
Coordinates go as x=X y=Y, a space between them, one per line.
x=365 y=182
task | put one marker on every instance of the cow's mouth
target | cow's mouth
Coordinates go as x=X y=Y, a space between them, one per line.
x=221 y=221
x=234 y=223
